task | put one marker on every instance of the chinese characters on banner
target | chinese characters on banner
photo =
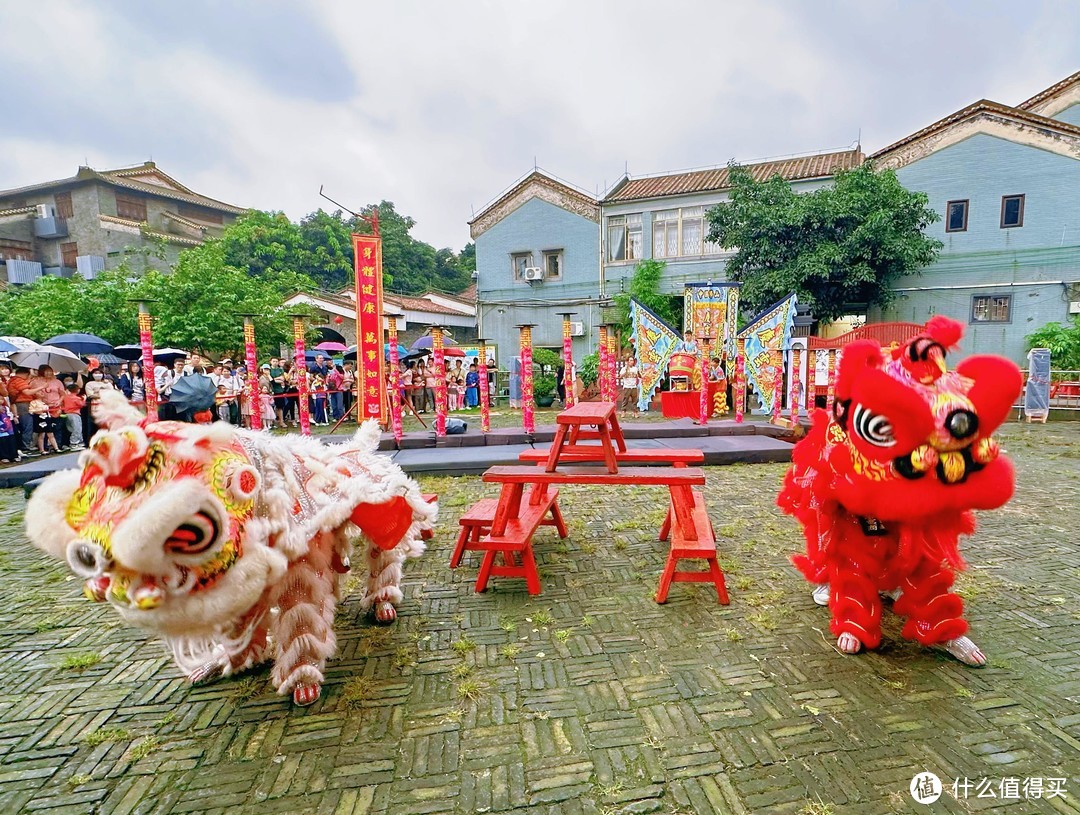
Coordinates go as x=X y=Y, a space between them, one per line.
x=146 y=344
x=369 y=346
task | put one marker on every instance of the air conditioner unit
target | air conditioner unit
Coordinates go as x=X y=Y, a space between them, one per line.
x=43 y=211
x=1074 y=307
x=534 y=273
x=577 y=329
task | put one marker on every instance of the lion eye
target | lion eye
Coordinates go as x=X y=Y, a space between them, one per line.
x=193 y=536
x=873 y=428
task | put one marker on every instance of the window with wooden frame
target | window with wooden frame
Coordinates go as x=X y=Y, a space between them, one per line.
x=1012 y=211
x=15 y=250
x=956 y=216
x=68 y=253
x=131 y=207
x=519 y=262
x=199 y=214
x=991 y=308
x=624 y=237
x=63 y=205
x=553 y=264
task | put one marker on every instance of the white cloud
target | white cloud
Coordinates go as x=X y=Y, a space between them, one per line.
x=445 y=104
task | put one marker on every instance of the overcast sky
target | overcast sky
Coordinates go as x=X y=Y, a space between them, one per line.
x=440 y=106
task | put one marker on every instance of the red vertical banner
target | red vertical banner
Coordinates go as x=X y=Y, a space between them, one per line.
x=602 y=365
x=830 y=393
x=254 y=395
x=485 y=395
x=739 y=391
x=704 y=408
x=795 y=396
x=303 y=412
x=613 y=364
x=146 y=344
x=528 y=415
x=395 y=378
x=367 y=250
x=439 y=357
x=778 y=383
x=567 y=361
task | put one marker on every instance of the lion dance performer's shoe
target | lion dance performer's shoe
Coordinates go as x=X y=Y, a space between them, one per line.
x=234 y=546
x=885 y=487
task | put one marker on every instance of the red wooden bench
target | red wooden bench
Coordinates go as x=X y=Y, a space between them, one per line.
x=689 y=525
x=515 y=543
x=677 y=457
x=571 y=431
x=703 y=548
x=477 y=522
x=431 y=498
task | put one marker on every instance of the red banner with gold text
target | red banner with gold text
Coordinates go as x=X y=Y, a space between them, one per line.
x=369 y=343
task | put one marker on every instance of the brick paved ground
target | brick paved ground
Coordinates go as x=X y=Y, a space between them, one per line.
x=590 y=698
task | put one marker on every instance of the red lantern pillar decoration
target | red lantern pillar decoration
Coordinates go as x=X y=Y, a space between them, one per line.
x=601 y=366
x=740 y=379
x=567 y=359
x=485 y=395
x=777 y=355
x=254 y=396
x=612 y=373
x=705 y=406
x=796 y=385
x=300 y=361
x=146 y=344
x=830 y=394
x=528 y=417
x=439 y=358
x=395 y=377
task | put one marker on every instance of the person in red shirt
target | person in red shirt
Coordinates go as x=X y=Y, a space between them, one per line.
x=21 y=395
x=71 y=405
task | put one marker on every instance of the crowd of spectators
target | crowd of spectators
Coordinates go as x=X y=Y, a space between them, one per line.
x=419 y=380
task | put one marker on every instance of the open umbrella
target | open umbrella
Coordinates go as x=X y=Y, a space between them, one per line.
x=450 y=351
x=83 y=344
x=108 y=359
x=21 y=343
x=167 y=356
x=194 y=393
x=332 y=347
x=425 y=342
x=401 y=350
x=6 y=347
x=59 y=359
x=131 y=353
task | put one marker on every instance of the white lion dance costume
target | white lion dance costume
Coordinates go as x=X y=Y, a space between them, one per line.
x=230 y=544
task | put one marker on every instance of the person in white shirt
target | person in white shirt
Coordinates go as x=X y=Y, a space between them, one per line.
x=629 y=380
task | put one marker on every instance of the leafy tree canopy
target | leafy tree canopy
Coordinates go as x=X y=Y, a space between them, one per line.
x=838 y=247
x=645 y=288
x=1063 y=342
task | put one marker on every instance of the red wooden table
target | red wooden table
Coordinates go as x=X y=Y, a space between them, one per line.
x=687 y=404
x=573 y=428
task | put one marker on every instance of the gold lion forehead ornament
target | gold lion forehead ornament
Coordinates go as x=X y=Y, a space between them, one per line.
x=130 y=485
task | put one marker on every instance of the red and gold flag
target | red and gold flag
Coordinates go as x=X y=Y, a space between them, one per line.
x=369 y=346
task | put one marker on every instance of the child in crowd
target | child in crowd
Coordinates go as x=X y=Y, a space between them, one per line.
x=9 y=446
x=44 y=427
x=472 y=387
x=222 y=400
x=71 y=405
x=318 y=394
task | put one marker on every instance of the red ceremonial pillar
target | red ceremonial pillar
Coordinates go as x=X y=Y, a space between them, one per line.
x=254 y=395
x=796 y=382
x=613 y=385
x=739 y=393
x=601 y=366
x=831 y=392
x=439 y=359
x=528 y=416
x=300 y=361
x=777 y=356
x=567 y=359
x=395 y=377
x=705 y=407
x=146 y=345
x=485 y=395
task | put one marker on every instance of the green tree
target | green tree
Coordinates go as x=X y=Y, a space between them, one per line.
x=645 y=288
x=839 y=247
x=55 y=305
x=1063 y=342
x=408 y=264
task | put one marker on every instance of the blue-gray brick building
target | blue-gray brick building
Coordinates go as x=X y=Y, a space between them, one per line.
x=1005 y=181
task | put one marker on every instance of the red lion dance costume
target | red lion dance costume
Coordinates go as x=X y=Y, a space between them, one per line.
x=885 y=487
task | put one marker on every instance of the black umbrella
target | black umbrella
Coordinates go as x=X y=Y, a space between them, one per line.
x=82 y=344
x=195 y=392
x=128 y=352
